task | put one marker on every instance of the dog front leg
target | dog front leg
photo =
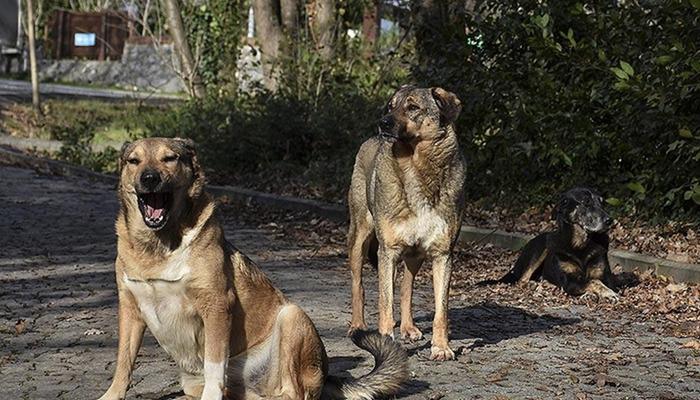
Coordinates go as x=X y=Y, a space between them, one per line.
x=131 y=329
x=216 y=315
x=388 y=257
x=600 y=290
x=408 y=328
x=442 y=272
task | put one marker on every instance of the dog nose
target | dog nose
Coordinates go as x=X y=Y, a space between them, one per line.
x=386 y=123
x=150 y=179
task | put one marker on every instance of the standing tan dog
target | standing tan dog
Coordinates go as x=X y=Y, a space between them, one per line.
x=406 y=200
x=219 y=317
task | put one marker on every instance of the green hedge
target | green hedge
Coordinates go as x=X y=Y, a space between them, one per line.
x=560 y=93
x=555 y=94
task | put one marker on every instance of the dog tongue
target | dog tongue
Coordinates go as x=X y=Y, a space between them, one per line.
x=154 y=206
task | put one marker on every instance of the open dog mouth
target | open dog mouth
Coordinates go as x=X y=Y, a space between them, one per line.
x=154 y=208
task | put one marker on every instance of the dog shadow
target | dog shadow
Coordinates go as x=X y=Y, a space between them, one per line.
x=490 y=323
x=340 y=365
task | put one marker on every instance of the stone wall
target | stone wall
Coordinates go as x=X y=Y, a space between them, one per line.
x=142 y=67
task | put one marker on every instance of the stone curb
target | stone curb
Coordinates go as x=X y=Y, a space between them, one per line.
x=680 y=272
x=72 y=90
x=52 y=167
x=629 y=261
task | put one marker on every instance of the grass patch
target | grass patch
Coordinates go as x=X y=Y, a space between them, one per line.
x=108 y=121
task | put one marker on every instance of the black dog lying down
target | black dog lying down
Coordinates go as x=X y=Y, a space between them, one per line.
x=575 y=255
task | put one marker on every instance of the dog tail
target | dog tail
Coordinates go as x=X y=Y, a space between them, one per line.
x=389 y=373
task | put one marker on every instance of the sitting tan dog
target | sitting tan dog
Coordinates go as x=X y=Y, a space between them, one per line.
x=214 y=312
x=406 y=200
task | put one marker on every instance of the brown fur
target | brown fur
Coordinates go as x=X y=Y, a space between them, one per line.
x=229 y=330
x=406 y=200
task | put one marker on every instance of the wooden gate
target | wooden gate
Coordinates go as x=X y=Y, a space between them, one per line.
x=96 y=35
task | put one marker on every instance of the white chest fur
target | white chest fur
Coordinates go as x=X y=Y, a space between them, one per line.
x=169 y=313
x=426 y=225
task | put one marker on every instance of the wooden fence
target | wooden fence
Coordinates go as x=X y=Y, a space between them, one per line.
x=96 y=36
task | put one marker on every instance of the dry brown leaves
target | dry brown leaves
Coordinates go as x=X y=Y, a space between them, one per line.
x=672 y=241
x=673 y=308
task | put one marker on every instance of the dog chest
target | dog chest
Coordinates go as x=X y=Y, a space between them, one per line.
x=169 y=313
x=425 y=226
x=422 y=229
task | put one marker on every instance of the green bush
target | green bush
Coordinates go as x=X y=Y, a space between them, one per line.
x=306 y=133
x=560 y=93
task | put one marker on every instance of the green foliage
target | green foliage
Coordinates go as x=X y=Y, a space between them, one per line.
x=77 y=147
x=214 y=29
x=555 y=94
x=90 y=130
x=564 y=93
x=309 y=130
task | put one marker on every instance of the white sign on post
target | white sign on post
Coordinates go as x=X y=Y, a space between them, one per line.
x=84 y=39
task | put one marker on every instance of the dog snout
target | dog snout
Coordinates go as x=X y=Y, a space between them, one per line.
x=386 y=123
x=150 y=179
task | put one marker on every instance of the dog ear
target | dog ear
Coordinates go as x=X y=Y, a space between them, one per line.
x=126 y=147
x=448 y=103
x=558 y=209
x=190 y=153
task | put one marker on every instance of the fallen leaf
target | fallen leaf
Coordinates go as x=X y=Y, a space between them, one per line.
x=20 y=326
x=92 y=332
x=676 y=287
x=691 y=344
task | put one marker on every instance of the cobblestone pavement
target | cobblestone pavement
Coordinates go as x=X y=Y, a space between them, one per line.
x=58 y=315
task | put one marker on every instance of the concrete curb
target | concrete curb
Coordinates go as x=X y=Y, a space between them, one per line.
x=81 y=91
x=52 y=167
x=680 y=272
x=331 y=211
x=629 y=261
x=51 y=146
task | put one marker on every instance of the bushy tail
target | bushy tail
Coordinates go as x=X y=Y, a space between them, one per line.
x=389 y=373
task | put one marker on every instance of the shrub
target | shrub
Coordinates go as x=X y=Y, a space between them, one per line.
x=560 y=93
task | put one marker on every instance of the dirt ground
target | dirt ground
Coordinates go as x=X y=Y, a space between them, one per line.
x=58 y=310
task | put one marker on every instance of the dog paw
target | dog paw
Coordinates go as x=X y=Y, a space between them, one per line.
x=610 y=296
x=588 y=296
x=356 y=327
x=411 y=333
x=438 y=353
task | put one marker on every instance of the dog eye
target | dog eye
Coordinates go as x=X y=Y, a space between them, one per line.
x=133 y=161
x=168 y=159
x=412 y=107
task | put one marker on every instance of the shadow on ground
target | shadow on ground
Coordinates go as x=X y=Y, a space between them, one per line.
x=490 y=323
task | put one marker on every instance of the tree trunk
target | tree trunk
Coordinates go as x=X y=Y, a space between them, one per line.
x=189 y=74
x=290 y=17
x=36 y=102
x=324 y=27
x=371 y=20
x=469 y=9
x=268 y=32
